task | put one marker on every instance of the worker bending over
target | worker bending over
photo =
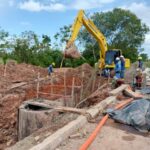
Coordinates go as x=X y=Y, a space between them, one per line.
x=138 y=78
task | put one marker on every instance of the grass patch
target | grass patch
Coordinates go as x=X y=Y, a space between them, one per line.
x=8 y=60
x=147 y=64
x=1 y=60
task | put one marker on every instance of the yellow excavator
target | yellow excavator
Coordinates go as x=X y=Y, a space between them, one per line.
x=107 y=57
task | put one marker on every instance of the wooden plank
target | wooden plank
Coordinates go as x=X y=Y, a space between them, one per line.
x=53 y=141
x=70 y=109
x=16 y=85
x=65 y=93
x=38 y=86
x=72 y=93
x=69 y=96
x=92 y=95
x=132 y=94
x=118 y=90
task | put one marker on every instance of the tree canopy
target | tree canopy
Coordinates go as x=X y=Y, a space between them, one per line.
x=122 y=29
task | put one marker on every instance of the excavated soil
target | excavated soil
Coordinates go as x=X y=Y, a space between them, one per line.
x=130 y=73
x=20 y=84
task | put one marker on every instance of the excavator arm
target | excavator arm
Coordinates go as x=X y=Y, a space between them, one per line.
x=80 y=21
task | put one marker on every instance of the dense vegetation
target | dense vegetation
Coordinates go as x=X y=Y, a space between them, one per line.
x=122 y=29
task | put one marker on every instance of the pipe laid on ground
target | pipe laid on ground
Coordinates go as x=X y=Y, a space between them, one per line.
x=99 y=126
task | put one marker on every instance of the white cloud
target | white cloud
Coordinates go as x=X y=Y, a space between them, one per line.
x=57 y=5
x=88 y=4
x=36 y=6
x=142 y=10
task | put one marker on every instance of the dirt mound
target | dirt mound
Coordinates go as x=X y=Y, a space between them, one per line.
x=15 y=73
x=21 y=71
x=84 y=67
x=10 y=100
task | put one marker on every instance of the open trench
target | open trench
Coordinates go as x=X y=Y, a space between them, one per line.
x=69 y=88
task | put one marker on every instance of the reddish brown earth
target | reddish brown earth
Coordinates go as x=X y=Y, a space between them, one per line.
x=12 y=98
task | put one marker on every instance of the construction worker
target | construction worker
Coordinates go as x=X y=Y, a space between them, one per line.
x=122 y=59
x=138 y=78
x=140 y=63
x=50 y=68
x=107 y=71
x=117 y=68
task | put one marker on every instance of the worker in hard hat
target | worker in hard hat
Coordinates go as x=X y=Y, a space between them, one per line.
x=140 y=62
x=117 y=68
x=50 y=68
x=106 y=71
x=117 y=78
x=53 y=64
x=122 y=59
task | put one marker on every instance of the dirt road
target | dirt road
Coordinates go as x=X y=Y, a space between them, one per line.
x=113 y=136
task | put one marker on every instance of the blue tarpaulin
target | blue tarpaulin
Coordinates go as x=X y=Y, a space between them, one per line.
x=136 y=114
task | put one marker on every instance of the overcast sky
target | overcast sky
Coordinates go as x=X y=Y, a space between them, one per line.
x=47 y=16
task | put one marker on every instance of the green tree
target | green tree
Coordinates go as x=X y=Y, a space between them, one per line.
x=29 y=48
x=63 y=35
x=4 y=45
x=25 y=47
x=144 y=56
x=122 y=29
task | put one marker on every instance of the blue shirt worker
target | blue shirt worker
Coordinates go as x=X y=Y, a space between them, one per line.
x=122 y=59
x=117 y=68
x=50 y=68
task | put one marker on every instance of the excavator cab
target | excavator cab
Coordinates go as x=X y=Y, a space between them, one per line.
x=110 y=57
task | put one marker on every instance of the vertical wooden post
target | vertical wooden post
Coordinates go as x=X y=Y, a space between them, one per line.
x=38 y=85
x=93 y=84
x=72 y=93
x=52 y=91
x=65 y=93
x=81 y=93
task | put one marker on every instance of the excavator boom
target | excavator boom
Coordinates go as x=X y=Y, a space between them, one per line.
x=80 y=21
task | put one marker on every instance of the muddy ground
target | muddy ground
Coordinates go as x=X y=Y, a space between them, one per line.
x=19 y=83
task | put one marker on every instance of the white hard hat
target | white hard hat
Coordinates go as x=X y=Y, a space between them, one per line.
x=117 y=58
x=139 y=58
x=122 y=56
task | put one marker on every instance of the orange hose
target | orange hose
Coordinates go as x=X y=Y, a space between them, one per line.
x=99 y=126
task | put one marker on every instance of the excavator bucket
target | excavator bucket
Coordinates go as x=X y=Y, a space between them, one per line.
x=72 y=52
